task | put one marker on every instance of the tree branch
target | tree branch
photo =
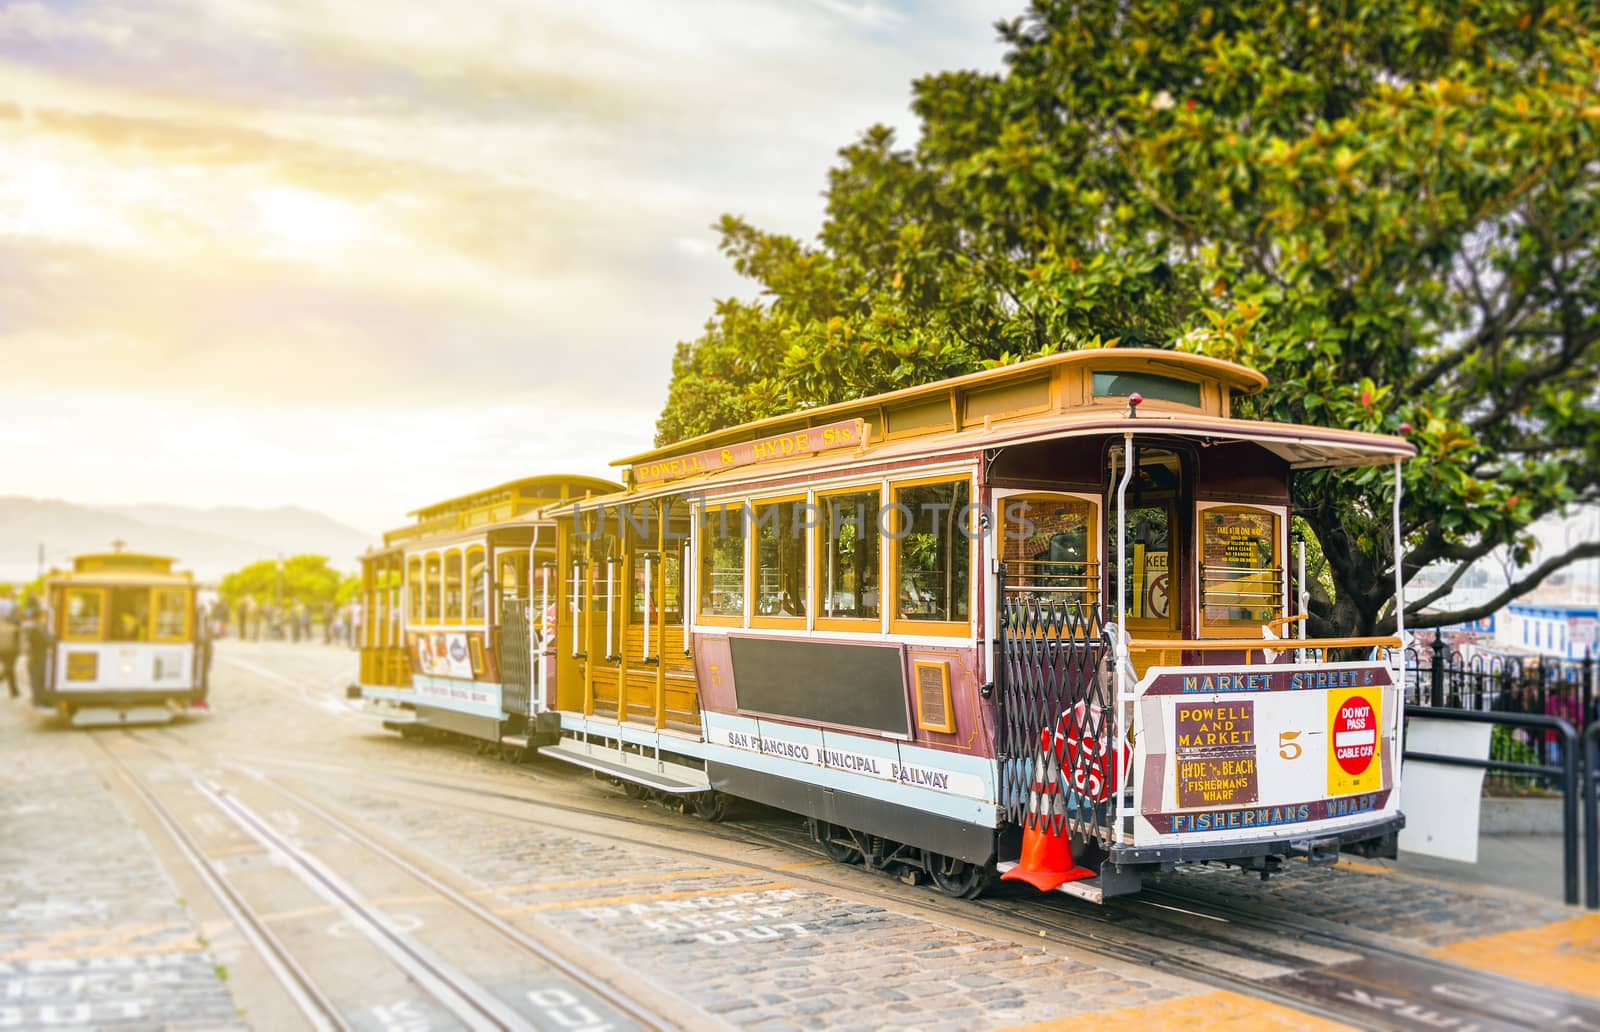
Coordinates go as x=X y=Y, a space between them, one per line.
x=1587 y=550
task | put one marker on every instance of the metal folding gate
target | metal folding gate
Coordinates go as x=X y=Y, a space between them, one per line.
x=516 y=681
x=1054 y=694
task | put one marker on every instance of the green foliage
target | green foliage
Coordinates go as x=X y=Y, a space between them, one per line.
x=1387 y=207
x=304 y=578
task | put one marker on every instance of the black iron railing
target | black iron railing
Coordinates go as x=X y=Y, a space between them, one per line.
x=516 y=684
x=1055 y=704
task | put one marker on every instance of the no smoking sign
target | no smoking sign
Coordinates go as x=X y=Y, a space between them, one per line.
x=1355 y=720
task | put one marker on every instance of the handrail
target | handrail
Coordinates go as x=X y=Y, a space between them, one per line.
x=1249 y=645
x=1286 y=620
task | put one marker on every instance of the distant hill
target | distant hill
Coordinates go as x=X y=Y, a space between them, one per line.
x=209 y=542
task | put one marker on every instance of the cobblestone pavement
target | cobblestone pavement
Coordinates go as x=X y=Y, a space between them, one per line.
x=93 y=933
x=747 y=935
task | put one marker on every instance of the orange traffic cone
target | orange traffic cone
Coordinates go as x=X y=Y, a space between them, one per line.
x=1046 y=860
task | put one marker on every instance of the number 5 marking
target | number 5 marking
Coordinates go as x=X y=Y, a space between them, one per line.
x=1288 y=748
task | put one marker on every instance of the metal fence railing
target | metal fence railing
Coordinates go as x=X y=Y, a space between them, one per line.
x=1440 y=677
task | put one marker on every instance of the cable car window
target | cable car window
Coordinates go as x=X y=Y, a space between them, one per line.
x=850 y=551
x=130 y=614
x=83 y=613
x=514 y=576
x=722 y=533
x=452 y=586
x=1048 y=546
x=414 y=588
x=476 y=571
x=1241 y=571
x=432 y=578
x=672 y=571
x=1148 y=385
x=1148 y=549
x=780 y=544
x=641 y=522
x=933 y=556
x=172 y=605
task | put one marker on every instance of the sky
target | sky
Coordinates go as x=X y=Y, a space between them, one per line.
x=360 y=256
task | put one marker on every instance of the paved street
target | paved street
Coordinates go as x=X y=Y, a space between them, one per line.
x=283 y=856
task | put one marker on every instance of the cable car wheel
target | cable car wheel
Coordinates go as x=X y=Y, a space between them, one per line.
x=838 y=844
x=957 y=878
x=709 y=806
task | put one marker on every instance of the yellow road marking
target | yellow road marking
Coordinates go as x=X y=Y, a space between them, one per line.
x=1362 y=866
x=1214 y=1010
x=611 y=901
x=804 y=863
x=1563 y=954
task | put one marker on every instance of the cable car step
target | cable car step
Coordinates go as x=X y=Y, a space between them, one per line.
x=660 y=775
x=118 y=716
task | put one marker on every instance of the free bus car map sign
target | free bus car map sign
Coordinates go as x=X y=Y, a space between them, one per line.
x=1254 y=749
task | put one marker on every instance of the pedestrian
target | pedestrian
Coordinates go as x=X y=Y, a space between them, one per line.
x=36 y=635
x=10 y=638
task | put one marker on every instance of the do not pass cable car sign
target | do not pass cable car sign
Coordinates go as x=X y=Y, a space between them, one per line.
x=1354 y=718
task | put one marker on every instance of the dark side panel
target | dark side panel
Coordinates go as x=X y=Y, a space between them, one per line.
x=928 y=831
x=828 y=682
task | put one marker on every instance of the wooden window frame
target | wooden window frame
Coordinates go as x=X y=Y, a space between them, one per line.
x=187 y=633
x=1231 y=628
x=701 y=617
x=900 y=625
x=100 y=633
x=467 y=594
x=873 y=624
x=433 y=590
x=414 y=588
x=445 y=615
x=759 y=620
x=1096 y=528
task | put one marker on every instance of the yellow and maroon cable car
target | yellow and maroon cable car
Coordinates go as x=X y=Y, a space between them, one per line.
x=128 y=647
x=1042 y=599
x=449 y=628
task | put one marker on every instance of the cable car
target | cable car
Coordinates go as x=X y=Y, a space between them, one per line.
x=128 y=647
x=448 y=631
x=1026 y=621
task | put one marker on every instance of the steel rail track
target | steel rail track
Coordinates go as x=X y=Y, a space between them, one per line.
x=1050 y=914
x=487 y=1007
x=302 y=989
x=1096 y=942
x=1067 y=920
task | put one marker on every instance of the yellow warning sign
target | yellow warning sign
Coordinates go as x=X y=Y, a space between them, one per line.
x=1355 y=721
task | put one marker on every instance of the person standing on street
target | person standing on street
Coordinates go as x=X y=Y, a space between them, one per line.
x=10 y=638
x=36 y=638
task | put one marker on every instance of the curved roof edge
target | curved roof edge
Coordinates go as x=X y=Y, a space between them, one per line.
x=1238 y=378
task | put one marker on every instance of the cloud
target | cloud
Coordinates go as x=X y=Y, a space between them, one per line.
x=233 y=217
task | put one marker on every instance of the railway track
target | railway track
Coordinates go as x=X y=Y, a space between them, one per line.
x=466 y=1000
x=1359 y=978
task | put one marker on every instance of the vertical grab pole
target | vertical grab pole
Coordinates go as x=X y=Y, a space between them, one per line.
x=649 y=592
x=1119 y=646
x=689 y=577
x=1304 y=600
x=577 y=605
x=1399 y=621
x=611 y=599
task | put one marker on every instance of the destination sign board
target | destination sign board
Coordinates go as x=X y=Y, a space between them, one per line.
x=811 y=441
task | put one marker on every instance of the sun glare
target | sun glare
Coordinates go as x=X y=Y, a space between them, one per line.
x=304 y=220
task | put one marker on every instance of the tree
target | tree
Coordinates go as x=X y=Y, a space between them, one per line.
x=1390 y=208
x=305 y=578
